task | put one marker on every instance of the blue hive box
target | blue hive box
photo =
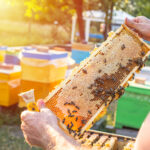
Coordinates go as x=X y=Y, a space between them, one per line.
x=81 y=51
x=13 y=55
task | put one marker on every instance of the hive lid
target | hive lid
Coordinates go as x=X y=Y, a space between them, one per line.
x=3 y=48
x=9 y=69
x=50 y=55
x=28 y=48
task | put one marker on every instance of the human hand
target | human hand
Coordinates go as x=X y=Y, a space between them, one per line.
x=141 y=25
x=143 y=138
x=36 y=124
x=41 y=129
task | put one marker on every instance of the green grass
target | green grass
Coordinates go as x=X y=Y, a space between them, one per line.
x=17 y=34
x=147 y=63
x=11 y=138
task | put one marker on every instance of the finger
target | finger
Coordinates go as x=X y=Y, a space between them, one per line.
x=134 y=30
x=40 y=104
x=138 y=27
x=23 y=126
x=131 y=23
x=50 y=114
x=28 y=130
x=33 y=141
x=137 y=19
x=46 y=110
x=28 y=139
x=25 y=114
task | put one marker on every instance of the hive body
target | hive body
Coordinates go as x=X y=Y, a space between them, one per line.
x=9 y=84
x=97 y=140
x=99 y=80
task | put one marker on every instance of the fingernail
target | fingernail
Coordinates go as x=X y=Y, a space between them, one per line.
x=41 y=103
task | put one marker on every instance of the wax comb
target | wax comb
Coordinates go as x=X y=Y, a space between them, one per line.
x=100 y=79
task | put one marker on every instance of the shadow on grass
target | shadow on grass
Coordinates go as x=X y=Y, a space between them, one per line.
x=11 y=137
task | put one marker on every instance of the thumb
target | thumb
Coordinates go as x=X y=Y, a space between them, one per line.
x=41 y=106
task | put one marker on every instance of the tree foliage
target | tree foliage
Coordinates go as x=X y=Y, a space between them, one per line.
x=61 y=11
x=107 y=6
x=138 y=8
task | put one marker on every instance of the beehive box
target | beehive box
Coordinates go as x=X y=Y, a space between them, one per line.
x=43 y=67
x=133 y=106
x=13 y=55
x=9 y=92
x=41 y=90
x=2 y=53
x=9 y=86
x=81 y=51
x=9 y=74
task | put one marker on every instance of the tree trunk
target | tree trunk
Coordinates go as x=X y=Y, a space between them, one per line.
x=79 y=5
x=106 y=24
x=111 y=15
x=30 y=26
x=108 y=17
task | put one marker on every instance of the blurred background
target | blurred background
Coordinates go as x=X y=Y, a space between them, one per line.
x=49 y=38
x=29 y=22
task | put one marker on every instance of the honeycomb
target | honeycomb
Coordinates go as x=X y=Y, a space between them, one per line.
x=85 y=95
x=105 y=141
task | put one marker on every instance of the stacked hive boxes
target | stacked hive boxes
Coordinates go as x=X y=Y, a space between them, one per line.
x=42 y=71
x=9 y=84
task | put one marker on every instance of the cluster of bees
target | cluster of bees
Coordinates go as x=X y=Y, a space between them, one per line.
x=72 y=114
x=100 y=91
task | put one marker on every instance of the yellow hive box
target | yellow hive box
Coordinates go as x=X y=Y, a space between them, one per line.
x=2 y=56
x=2 y=53
x=41 y=90
x=9 y=92
x=10 y=74
x=9 y=84
x=42 y=67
